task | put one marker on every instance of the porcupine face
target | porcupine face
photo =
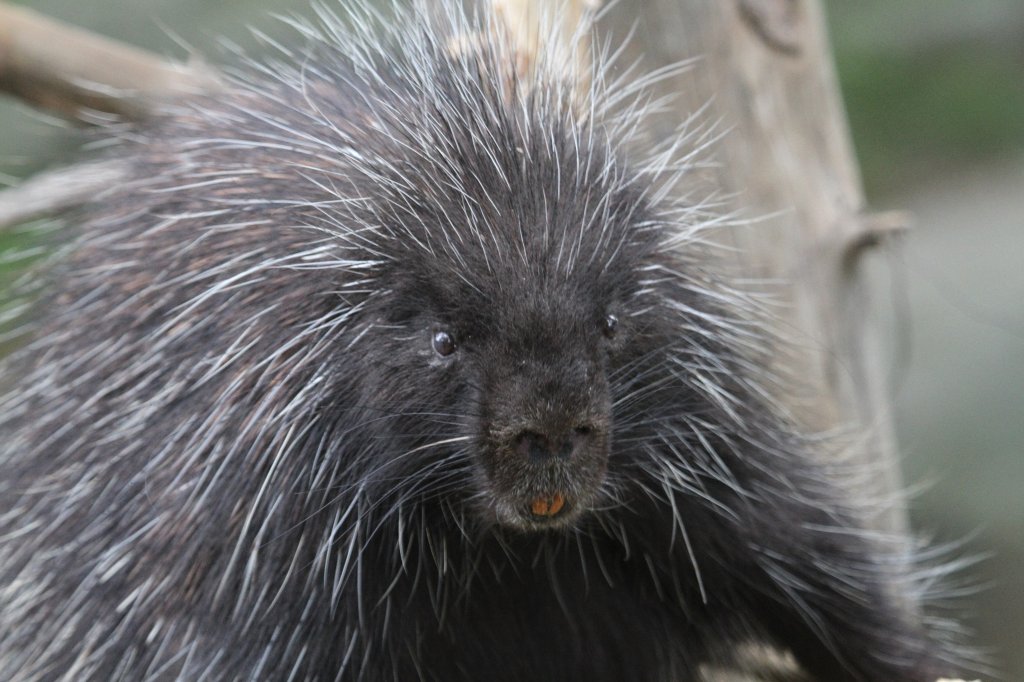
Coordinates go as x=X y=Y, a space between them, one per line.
x=517 y=358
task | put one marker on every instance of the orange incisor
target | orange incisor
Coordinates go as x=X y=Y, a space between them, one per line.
x=547 y=506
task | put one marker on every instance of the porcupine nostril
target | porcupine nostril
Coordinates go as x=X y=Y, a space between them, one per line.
x=539 y=447
x=533 y=446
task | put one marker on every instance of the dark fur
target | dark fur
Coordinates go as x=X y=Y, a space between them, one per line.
x=226 y=461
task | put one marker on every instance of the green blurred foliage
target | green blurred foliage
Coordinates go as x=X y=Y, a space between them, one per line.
x=931 y=86
x=936 y=111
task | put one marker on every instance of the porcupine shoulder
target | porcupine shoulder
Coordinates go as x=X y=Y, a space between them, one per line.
x=386 y=364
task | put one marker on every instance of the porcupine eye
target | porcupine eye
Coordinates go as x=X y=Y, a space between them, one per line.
x=609 y=326
x=444 y=344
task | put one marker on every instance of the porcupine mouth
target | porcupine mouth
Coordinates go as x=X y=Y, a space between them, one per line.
x=550 y=503
x=538 y=512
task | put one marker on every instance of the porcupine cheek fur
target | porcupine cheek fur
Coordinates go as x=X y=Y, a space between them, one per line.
x=545 y=421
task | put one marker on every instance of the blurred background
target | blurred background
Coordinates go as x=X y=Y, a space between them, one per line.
x=934 y=92
x=935 y=96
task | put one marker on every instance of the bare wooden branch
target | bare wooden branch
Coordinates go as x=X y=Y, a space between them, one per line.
x=876 y=228
x=530 y=22
x=72 y=72
x=53 y=191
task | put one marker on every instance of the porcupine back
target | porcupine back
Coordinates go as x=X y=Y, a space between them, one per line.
x=228 y=455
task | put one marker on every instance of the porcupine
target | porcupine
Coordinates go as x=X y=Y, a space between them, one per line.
x=392 y=363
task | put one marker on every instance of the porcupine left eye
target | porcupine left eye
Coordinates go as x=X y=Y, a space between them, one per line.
x=444 y=343
x=609 y=326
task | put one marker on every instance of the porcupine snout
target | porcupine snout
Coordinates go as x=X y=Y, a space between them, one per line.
x=553 y=444
x=561 y=422
x=550 y=420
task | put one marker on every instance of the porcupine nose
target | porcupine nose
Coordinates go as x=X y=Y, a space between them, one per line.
x=541 y=447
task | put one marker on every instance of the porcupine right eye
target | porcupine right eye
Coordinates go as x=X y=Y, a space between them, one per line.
x=444 y=343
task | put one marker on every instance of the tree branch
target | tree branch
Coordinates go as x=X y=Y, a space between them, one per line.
x=47 y=193
x=73 y=72
x=530 y=22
